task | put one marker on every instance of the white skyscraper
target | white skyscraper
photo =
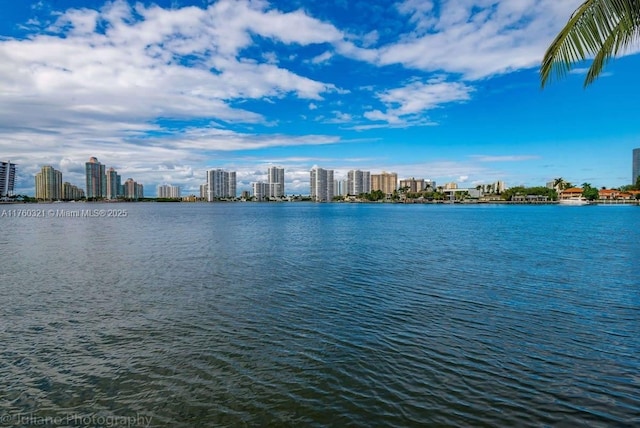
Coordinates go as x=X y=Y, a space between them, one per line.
x=358 y=182
x=220 y=184
x=275 y=179
x=321 y=184
x=168 y=191
x=260 y=190
x=339 y=187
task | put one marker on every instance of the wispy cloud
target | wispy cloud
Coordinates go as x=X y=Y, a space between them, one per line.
x=503 y=158
x=406 y=105
x=477 y=39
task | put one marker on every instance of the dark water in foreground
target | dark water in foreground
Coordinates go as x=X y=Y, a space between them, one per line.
x=322 y=315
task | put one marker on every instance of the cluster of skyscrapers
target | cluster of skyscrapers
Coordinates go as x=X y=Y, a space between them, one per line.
x=223 y=184
x=323 y=186
x=50 y=187
x=101 y=183
x=108 y=184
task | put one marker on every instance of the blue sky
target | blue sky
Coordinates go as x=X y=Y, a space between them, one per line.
x=444 y=90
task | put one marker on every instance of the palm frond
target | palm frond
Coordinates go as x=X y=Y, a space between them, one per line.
x=598 y=28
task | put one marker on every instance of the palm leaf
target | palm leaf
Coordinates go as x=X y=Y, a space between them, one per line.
x=598 y=28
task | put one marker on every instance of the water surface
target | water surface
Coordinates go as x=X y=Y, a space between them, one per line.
x=295 y=314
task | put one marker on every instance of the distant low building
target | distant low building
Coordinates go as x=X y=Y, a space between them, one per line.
x=451 y=186
x=611 y=194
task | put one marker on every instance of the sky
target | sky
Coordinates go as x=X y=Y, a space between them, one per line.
x=443 y=90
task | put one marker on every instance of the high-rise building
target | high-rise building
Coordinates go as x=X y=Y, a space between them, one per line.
x=220 y=184
x=232 y=184
x=321 y=184
x=387 y=182
x=412 y=185
x=275 y=179
x=133 y=190
x=7 y=178
x=358 y=182
x=260 y=191
x=203 y=191
x=113 y=184
x=339 y=187
x=71 y=192
x=635 y=173
x=168 y=191
x=96 y=179
x=49 y=184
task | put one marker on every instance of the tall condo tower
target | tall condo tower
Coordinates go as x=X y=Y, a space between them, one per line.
x=96 y=179
x=276 y=181
x=387 y=182
x=113 y=184
x=220 y=184
x=49 y=184
x=358 y=182
x=7 y=178
x=321 y=184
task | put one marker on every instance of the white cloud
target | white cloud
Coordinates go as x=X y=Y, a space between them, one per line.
x=477 y=38
x=100 y=82
x=504 y=158
x=407 y=105
x=323 y=57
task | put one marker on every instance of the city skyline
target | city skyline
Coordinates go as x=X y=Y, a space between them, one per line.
x=440 y=90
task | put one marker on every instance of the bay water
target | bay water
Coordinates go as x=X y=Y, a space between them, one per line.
x=301 y=314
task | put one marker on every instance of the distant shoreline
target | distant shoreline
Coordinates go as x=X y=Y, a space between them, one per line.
x=596 y=202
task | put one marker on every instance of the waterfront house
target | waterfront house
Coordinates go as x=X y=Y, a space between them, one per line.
x=610 y=194
x=572 y=192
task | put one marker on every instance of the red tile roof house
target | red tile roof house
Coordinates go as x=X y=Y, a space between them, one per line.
x=613 y=194
x=572 y=192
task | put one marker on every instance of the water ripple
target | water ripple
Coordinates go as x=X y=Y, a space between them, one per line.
x=325 y=315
